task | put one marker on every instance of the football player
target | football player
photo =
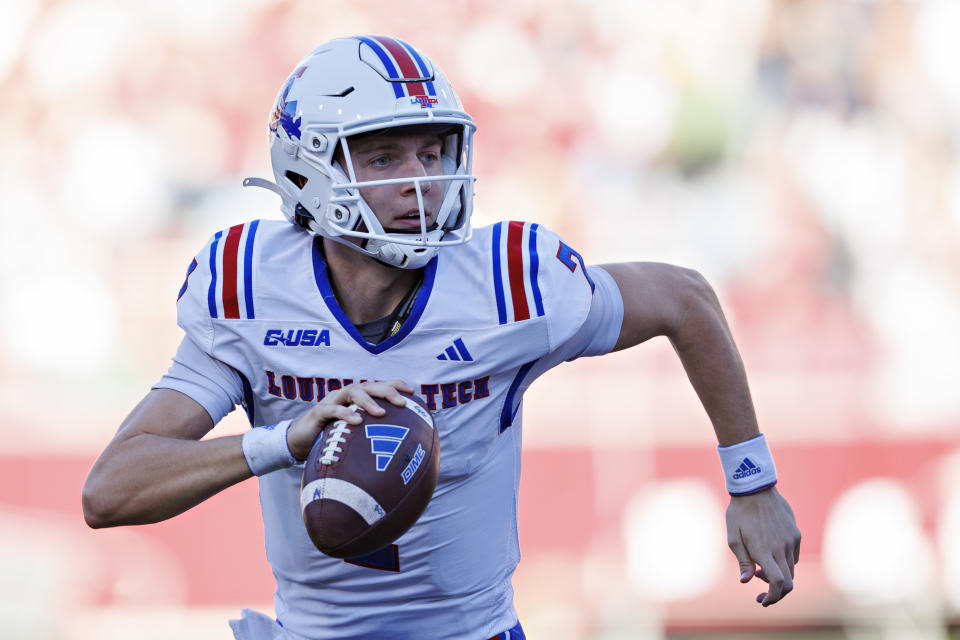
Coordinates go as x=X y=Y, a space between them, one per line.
x=378 y=275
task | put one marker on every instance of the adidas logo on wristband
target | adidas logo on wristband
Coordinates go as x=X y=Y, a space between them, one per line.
x=747 y=468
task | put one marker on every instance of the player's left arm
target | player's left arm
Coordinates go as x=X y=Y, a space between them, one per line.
x=665 y=300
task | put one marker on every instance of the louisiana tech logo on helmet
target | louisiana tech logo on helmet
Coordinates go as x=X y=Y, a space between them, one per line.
x=285 y=112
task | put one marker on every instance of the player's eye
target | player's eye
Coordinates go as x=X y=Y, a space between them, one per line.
x=380 y=161
x=429 y=156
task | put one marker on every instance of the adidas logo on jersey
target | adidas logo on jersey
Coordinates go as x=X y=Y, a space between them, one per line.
x=385 y=439
x=457 y=351
x=746 y=468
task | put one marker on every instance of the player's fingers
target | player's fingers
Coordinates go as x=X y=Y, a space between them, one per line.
x=389 y=390
x=305 y=430
x=325 y=413
x=359 y=396
x=747 y=567
x=780 y=583
x=348 y=414
x=392 y=390
x=336 y=397
x=788 y=559
x=399 y=385
x=793 y=546
x=785 y=562
x=774 y=582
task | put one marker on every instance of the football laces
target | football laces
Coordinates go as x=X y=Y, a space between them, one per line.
x=336 y=437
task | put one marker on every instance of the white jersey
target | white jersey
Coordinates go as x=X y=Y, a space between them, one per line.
x=264 y=329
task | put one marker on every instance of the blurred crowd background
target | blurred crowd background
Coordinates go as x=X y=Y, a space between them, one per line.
x=802 y=154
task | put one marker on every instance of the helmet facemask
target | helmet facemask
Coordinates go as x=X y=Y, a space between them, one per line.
x=349 y=215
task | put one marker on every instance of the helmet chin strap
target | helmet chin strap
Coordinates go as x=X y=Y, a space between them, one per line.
x=393 y=255
x=265 y=184
x=288 y=207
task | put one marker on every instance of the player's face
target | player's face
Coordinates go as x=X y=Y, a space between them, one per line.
x=385 y=156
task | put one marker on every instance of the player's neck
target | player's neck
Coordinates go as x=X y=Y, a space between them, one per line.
x=366 y=290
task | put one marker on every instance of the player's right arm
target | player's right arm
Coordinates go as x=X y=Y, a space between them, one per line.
x=157 y=466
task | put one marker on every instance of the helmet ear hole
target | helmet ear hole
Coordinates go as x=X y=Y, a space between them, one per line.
x=298 y=179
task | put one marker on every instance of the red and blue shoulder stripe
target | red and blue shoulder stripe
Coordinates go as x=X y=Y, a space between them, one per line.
x=516 y=268
x=231 y=272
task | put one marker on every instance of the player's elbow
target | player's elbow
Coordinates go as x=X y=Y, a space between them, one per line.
x=697 y=290
x=99 y=510
x=661 y=299
x=701 y=313
x=697 y=304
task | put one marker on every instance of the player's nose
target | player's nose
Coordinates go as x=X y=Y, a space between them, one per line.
x=415 y=167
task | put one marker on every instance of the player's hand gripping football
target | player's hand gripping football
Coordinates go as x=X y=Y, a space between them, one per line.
x=761 y=530
x=304 y=430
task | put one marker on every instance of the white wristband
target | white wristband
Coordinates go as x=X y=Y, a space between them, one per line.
x=748 y=466
x=266 y=449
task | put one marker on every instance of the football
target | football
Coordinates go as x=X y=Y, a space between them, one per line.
x=364 y=485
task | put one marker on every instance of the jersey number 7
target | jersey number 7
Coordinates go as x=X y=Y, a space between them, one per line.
x=566 y=255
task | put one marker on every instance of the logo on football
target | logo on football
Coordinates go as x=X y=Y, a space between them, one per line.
x=364 y=485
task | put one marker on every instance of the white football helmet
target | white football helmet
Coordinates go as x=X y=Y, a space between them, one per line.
x=358 y=85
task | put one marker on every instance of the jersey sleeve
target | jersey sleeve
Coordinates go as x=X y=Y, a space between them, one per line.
x=196 y=371
x=583 y=307
x=215 y=386
x=194 y=299
x=599 y=331
x=566 y=286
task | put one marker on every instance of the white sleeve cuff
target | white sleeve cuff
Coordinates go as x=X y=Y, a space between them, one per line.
x=216 y=386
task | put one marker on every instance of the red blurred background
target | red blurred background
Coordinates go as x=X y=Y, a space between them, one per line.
x=801 y=154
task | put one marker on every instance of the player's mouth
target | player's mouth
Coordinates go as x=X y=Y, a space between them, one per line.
x=410 y=220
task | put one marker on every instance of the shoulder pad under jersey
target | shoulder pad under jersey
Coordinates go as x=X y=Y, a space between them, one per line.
x=536 y=274
x=219 y=283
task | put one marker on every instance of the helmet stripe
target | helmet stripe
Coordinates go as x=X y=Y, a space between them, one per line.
x=424 y=71
x=406 y=63
x=387 y=63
